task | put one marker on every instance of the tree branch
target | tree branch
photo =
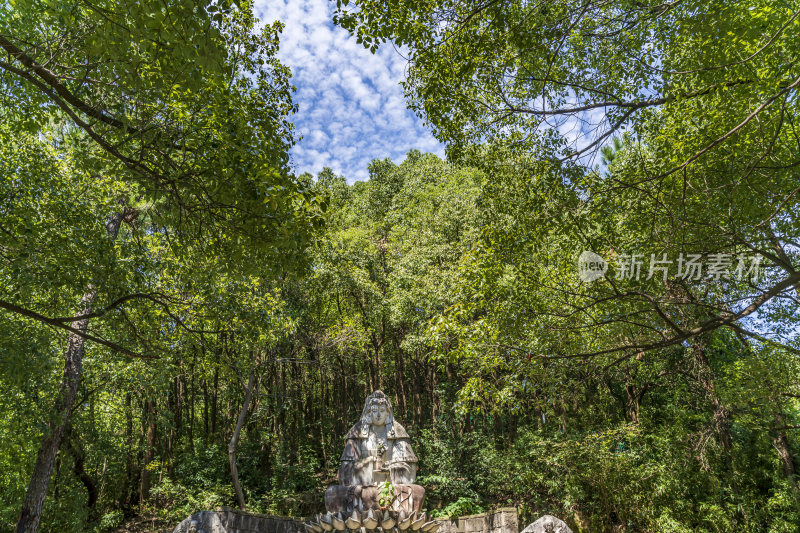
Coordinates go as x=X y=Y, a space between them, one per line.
x=8 y=306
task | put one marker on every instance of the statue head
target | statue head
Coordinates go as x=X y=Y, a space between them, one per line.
x=377 y=412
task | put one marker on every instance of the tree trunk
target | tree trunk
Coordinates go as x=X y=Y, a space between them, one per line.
x=205 y=409
x=401 y=373
x=632 y=398
x=190 y=410
x=417 y=395
x=78 y=467
x=248 y=395
x=781 y=443
x=212 y=429
x=720 y=412
x=321 y=417
x=149 y=453
x=721 y=417
x=127 y=492
x=32 y=505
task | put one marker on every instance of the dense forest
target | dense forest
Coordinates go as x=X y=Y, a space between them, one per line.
x=186 y=322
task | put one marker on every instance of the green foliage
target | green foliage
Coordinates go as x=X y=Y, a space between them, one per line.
x=111 y=520
x=460 y=507
x=653 y=404
x=431 y=299
x=385 y=494
x=172 y=502
x=202 y=149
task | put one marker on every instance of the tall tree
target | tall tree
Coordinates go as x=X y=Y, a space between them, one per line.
x=148 y=93
x=710 y=119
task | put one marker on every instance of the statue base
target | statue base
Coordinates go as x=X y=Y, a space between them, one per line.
x=346 y=499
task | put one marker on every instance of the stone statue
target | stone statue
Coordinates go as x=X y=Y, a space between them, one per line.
x=377 y=448
x=378 y=466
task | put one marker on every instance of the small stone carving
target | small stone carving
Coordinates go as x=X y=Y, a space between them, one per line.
x=548 y=524
x=376 y=488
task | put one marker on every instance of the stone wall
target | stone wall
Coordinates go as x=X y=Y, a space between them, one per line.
x=500 y=521
x=227 y=520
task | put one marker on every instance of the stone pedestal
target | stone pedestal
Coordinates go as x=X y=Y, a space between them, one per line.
x=346 y=499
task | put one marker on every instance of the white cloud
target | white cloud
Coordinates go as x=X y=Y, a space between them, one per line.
x=351 y=106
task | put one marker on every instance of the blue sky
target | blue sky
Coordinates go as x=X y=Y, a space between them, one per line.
x=351 y=106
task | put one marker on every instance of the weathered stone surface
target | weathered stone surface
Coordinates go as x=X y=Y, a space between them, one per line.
x=342 y=499
x=548 y=524
x=377 y=450
x=499 y=521
x=227 y=520
x=202 y=522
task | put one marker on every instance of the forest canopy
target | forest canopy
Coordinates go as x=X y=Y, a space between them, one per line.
x=588 y=309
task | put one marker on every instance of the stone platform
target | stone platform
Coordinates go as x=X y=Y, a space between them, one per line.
x=227 y=520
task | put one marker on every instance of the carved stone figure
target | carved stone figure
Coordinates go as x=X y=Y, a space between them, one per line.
x=378 y=465
x=377 y=448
